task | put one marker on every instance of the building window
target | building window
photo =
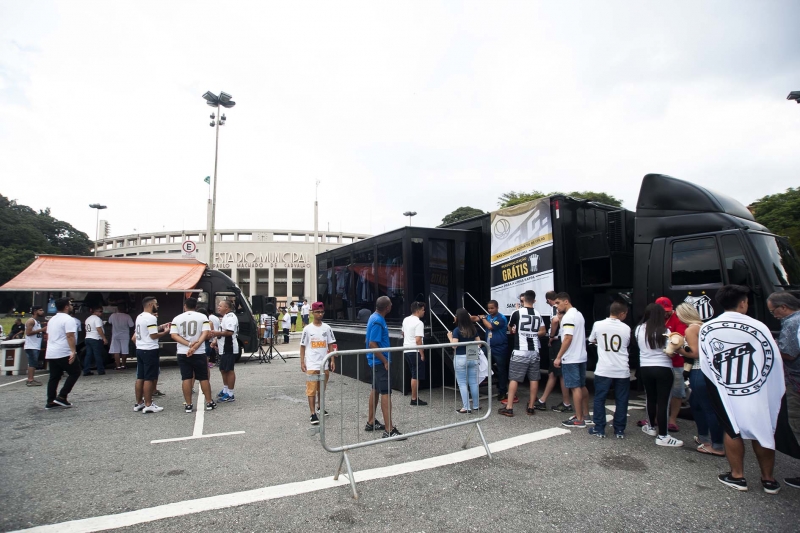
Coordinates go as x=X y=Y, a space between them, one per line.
x=192 y=237
x=145 y=241
x=161 y=239
x=159 y=251
x=173 y=251
x=280 y=237
x=132 y=242
x=128 y=255
x=297 y=238
x=280 y=283
x=347 y=240
x=226 y=237
x=262 y=282
x=695 y=262
x=144 y=253
x=245 y=236
x=333 y=238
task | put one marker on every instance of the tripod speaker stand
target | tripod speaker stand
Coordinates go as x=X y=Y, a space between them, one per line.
x=266 y=356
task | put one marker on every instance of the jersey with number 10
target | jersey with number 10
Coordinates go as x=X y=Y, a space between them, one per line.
x=190 y=325
x=528 y=321
x=612 y=337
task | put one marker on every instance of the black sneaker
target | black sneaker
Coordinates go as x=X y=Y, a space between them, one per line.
x=326 y=413
x=210 y=406
x=393 y=433
x=771 y=487
x=418 y=402
x=62 y=402
x=51 y=405
x=187 y=407
x=377 y=426
x=738 y=483
x=158 y=393
x=561 y=408
x=792 y=482
x=540 y=405
x=314 y=419
x=596 y=433
x=574 y=423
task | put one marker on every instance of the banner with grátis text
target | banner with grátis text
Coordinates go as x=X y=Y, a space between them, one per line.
x=522 y=254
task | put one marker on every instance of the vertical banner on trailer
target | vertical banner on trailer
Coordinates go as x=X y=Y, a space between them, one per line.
x=522 y=254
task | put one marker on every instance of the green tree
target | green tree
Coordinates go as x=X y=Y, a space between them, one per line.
x=516 y=197
x=462 y=213
x=25 y=234
x=780 y=213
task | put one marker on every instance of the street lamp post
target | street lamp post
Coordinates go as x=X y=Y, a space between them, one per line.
x=212 y=100
x=409 y=214
x=96 y=225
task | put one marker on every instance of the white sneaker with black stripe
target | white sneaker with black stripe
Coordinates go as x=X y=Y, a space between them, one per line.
x=669 y=441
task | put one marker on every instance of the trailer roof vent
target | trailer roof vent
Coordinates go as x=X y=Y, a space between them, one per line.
x=616 y=231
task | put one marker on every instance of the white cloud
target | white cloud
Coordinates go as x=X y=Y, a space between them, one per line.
x=424 y=106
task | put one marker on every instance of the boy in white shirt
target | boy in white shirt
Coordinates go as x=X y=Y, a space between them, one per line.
x=612 y=337
x=304 y=312
x=315 y=343
x=95 y=340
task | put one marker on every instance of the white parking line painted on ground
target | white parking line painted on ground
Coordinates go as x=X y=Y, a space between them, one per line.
x=21 y=380
x=199 y=419
x=235 y=499
x=193 y=437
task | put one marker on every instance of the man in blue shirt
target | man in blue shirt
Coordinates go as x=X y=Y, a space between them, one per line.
x=497 y=328
x=378 y=337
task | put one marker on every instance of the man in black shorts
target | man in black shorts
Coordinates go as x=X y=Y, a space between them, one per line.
x=147 y=364
x=190 y=330
x=228 y=349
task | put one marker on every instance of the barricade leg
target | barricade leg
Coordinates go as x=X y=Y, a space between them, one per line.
x=483 y=439
x=344 y=459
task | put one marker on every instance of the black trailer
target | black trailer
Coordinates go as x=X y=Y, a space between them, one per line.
x=683 y=242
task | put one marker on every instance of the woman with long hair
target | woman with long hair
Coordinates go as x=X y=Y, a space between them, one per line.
x=466 y=371
x=656 y=373
x=709 y=437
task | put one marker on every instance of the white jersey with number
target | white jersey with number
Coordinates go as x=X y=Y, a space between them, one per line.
x=526 y=321
x=229 y=323
x=613 y=338
x=93 y=324
x=190 y=326
x=146 y=325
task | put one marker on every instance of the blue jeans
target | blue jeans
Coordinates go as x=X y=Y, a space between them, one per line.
x=467 y=371
x=500 y=357
x=702 y=411
x=622 y=389
x=94 y=351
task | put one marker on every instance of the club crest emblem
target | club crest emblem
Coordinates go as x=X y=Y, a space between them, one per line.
x=741 y=357
x=702 y=305
x=534 y=259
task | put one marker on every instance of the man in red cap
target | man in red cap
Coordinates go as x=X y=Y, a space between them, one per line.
x=315 y=343
x=678 y=384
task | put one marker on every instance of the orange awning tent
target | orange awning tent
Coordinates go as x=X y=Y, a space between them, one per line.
x=107 y=274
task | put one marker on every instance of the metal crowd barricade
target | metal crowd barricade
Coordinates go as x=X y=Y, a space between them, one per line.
x=473 y=349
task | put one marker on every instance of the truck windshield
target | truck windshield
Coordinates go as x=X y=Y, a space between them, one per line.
x=778 y=258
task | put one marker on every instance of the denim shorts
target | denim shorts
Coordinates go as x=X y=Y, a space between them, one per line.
x=678 y=383
x=33 y=358
x=574 y=375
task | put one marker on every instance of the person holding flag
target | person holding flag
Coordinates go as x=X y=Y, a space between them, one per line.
x=744 y=373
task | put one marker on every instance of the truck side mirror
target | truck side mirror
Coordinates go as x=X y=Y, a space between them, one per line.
x=739 y=272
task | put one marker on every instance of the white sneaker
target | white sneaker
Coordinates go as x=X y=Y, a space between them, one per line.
x=138 y=407
x=672 y=442
x=152 y=408
x=649 y=430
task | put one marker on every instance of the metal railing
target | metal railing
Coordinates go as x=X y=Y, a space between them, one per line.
x=473 y=349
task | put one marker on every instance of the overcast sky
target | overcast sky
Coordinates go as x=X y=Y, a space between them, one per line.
x=423 y=106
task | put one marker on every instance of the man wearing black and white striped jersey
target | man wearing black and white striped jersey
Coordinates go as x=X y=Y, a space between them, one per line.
x=526 y=327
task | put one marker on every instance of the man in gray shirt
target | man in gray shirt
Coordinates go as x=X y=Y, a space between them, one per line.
x=786 y=307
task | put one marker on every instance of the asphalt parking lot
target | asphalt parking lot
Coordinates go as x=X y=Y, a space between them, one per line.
x=95 y=467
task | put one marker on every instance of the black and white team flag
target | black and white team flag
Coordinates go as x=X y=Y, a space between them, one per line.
x=740 y=356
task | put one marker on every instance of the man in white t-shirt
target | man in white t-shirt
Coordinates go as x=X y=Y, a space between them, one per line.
x=612 y=337
x=34 y=331
x=413 y=334
x=121 y=324
x=147 y=363
x=227 y=337
x=61 y=354
x=304 y=311
x=94 y=342
x=572 y=359
x=190 y=330
x=286 y=324
x=316 y=342
x=293 y=310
